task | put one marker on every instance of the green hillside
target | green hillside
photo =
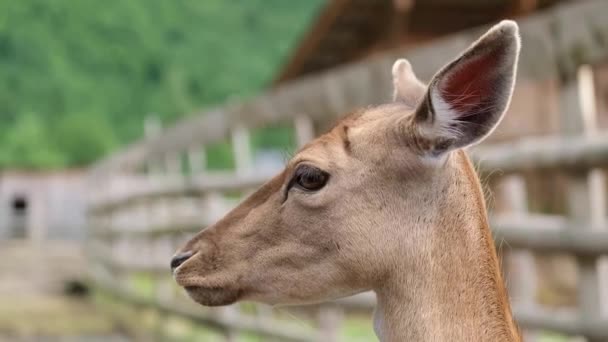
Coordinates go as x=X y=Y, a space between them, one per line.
x=77 y=77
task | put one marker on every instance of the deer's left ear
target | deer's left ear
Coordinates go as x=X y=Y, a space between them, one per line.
x=466 y=99
x=407 y=87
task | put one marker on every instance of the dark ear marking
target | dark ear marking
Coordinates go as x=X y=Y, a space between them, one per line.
x=345 y=140
x=425 y=111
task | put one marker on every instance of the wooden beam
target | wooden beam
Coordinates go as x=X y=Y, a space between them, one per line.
x=549 y=153
x=196 y=186
x=542 y=233
x=312 y=39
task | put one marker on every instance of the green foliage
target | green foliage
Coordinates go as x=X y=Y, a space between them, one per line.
x=78 y=77
x=84 y=137
x=274 y=137
x=26 y=144
x=220 y=157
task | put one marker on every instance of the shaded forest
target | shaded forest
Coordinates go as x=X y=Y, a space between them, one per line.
x=77 y=78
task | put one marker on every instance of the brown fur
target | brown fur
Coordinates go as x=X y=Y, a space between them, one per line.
x=402 y=214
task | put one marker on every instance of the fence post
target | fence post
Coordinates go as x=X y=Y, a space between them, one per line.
x=173 y=165
x=152 y=128
x=597 y=180
x=305 y=129
x=330 y=322
x=196 y=160
x=242 y=150
x=583 y=193
x=522 y=268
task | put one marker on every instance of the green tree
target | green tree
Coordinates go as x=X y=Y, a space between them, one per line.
x=83 y=138
x=125 y=59
x=27 y=145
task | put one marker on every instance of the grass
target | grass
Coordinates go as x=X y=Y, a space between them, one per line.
x=358 y=328
x=42 y=315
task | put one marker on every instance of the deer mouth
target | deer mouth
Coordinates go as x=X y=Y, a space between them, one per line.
x=203 y=290
x=213 y=296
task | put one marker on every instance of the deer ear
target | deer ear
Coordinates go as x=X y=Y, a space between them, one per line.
x=466 y=99
x=407 y=87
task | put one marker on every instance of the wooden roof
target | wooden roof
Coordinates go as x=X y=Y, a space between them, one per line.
x=349 y=30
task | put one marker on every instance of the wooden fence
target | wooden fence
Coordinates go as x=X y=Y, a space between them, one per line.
x=148 y=199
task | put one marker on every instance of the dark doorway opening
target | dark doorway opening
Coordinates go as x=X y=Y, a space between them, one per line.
x=19 y=205
x=19 y=208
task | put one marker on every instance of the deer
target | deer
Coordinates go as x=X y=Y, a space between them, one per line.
x=386 y=201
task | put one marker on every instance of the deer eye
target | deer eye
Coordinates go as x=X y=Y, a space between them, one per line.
x=310 y=178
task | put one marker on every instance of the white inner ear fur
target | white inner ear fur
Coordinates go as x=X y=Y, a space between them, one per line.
x=445 y=123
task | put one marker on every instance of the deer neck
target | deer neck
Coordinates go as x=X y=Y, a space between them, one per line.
x=456 y=291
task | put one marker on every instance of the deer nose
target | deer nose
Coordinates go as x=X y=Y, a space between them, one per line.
x=180 y=259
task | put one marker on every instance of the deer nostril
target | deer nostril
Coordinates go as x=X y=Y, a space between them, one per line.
x=180 y=259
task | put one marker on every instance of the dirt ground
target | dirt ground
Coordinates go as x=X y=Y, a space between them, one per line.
x=33 y=301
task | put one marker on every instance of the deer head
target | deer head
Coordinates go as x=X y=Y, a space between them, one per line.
x=368 y=201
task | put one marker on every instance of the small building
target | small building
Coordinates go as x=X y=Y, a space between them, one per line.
x=42 y=205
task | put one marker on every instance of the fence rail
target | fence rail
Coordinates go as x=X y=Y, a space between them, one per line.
x=567 y=153
x=550 y=234
x=146 y=200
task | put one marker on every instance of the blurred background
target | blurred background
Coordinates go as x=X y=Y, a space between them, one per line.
x=127 y=126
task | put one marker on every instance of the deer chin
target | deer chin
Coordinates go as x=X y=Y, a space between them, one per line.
x=209 y=292
x=213 y=296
